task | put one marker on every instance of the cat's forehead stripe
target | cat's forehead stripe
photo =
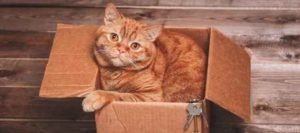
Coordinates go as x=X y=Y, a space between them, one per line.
x=122 y=31
x=132 y=34
x=129 y=29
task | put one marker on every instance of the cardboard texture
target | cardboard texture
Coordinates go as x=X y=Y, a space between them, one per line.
x=150 y=117
x=72 y=72
x=228 y=75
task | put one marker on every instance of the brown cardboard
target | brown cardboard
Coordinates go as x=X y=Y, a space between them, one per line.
x=71 y=70
x=150 y=117
x=228 y=75
x=228 y=81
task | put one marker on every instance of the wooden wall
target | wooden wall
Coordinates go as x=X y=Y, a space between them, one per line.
x=268 y=29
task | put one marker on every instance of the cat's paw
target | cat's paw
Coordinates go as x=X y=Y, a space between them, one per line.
x=93 y=102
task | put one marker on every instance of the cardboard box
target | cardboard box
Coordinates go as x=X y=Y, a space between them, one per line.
x=72 y=72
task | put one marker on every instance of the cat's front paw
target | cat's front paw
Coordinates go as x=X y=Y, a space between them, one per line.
x=93 y=102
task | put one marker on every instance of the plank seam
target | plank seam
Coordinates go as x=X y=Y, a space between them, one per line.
x=41 y=120
x=156 y=7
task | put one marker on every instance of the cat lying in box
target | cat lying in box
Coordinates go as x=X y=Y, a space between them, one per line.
x=140 y=62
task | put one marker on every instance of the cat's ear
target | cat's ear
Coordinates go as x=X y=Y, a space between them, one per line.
x=152 y=32
x=111 y=14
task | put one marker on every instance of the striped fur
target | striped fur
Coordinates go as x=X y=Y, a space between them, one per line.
x=168 y=66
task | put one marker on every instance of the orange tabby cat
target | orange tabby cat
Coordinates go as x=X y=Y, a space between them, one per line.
x=139 y=62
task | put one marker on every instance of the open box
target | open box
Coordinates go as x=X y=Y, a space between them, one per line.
x=72 y=72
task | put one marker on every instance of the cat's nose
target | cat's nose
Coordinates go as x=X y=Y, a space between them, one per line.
x=122 y=49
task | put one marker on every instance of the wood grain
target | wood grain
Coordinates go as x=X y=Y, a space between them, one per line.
x=59 y=126
x=275 y=96
x=177 y=3
x=21 y=72
x=254 y=128
x=25 y=103
x=46 y=126
x=271 y=48
x=263 y=48
x=276 y=93
x=14 y=44
x=231 y=22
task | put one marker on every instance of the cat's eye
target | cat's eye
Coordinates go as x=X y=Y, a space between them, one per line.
x=114 y=37
x=135 y=46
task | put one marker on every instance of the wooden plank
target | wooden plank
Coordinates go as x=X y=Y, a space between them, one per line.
x=25 y=44
x=275 y=96
x=276 y=93
x=57 y=126
x=231 y=22
x=232 y=3
x=280 y=46
x=271 y=48
x=188 y=3
x=24 y=103
x=263 y=48
x=22 y=79
x=254 y=128
x=45 y=126
x=21 y=72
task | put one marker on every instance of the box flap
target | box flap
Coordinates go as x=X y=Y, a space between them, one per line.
x=146 y=117
x=228 y=75
x=71 y=70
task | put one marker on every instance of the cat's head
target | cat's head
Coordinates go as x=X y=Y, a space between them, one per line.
x=124 y=42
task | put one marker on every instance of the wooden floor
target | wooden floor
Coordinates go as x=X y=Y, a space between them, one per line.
x=268 y=29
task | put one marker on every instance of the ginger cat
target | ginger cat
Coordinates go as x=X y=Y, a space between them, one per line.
x=140 y=62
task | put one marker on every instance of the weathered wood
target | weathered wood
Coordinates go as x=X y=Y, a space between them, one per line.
x=276 y=93
x=231 y=22
x=77 y=3
x=24 y=103
x=46 y=126
x=275 y=96
x=25 y=44
x=263 y=48
x=61 y=126
x=232 y=3
x=254 y=128
x=271 y=48
x=21 y=72
x=188 y=3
